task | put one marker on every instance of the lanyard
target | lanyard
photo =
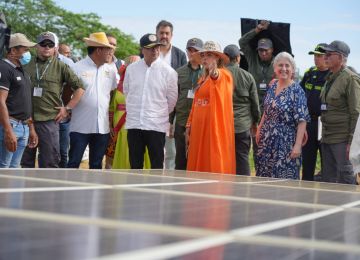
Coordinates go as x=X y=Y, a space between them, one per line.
x=39 y=78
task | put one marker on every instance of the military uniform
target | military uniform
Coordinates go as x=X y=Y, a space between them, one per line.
x=312 y=83
x=246 y=113
x=340 y=100
x=187 y=81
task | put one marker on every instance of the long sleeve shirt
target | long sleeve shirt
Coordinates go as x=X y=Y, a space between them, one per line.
x=151 y=94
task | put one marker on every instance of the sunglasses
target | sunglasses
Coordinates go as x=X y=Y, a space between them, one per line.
x=47 y=44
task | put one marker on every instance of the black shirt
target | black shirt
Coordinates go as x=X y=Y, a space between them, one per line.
x=312 y=83
x=17 y=82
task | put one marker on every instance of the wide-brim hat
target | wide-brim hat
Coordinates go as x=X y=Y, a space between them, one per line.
x=19 y=39
x=98 y=39
x=213 y=47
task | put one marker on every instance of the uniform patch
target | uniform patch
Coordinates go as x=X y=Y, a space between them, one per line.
x=18 y=78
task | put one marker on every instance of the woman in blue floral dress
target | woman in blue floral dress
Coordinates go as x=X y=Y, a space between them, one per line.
x=282 y=128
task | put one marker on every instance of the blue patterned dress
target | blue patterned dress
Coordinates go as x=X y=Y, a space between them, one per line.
x=278 y=134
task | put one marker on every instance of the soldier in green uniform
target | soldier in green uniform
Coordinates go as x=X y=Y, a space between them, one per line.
x=188 y=76
x=246 y=109
x=260 y=63
x=340 y=107
x=312 y=83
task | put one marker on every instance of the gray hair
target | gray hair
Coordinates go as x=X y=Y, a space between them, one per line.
x=285 y=56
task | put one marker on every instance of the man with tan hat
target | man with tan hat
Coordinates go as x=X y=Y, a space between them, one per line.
x=151 y=91
x=90 y=119
x=48 y=76
x=15 y=103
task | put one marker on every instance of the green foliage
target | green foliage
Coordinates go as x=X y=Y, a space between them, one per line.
x=31 y=17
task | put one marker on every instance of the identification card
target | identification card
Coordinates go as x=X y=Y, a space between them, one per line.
x=190 y=93
x=323 y=107
x=262 y=86
x=38 y=92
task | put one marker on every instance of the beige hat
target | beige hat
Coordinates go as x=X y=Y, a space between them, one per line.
x=19 y=39
x=98 y=39
x=214 y=47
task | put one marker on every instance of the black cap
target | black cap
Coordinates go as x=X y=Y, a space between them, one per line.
x=318 y=49
x=232 y=51
x=47 y=36
x=338 y=46
x=149 y=40
x=195 y=43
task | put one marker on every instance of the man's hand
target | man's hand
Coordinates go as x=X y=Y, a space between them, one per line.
x=263 y=25
x=33 y=139
x=10 y=140
x=253 y=130
x=61 y=115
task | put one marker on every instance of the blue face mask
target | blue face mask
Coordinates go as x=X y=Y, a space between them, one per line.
x=25 y=59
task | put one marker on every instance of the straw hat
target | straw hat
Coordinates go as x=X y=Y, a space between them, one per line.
x=213 y=47
x=98 y=39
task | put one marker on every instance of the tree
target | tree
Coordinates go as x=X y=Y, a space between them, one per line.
x=32 y=17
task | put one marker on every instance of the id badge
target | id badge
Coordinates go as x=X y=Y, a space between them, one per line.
x=262 y=86
x=323 y=107
x=190 y=93
x=38 y=92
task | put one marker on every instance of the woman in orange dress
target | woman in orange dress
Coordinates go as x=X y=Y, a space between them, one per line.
x=210 y=127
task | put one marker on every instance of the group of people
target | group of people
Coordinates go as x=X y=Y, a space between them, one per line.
x=197 y=111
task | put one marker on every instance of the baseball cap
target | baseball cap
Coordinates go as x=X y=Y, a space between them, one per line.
x=319 y=49
x=338 y=46
x=232 y=51
x=19 y=39
x=149 y=40
x=265 y=43
x=48 y=36
x=195 y=43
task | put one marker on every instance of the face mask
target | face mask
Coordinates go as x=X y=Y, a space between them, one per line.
x=25 y=59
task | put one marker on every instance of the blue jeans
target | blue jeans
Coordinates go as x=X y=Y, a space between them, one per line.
x=64 y=143
x=97 y=148
x=12 y=159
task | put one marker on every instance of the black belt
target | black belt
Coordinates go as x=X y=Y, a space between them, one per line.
x=24 y=122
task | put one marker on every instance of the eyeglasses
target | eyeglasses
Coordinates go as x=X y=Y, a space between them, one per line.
x=47 y=44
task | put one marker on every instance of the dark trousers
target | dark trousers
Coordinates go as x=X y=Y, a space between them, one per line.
x=309 y=151
x=255 y=150
x=242 y=149
x=180 y=158
x=49 y=147
x=335 y=166
x=64 y=136
x=155 y=143
x=97 y=147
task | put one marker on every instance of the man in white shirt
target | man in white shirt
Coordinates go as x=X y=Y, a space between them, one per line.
x=90 y=119
x=150 y=87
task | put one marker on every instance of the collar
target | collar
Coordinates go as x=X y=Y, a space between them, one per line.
x=10 y=63
x=189 y=66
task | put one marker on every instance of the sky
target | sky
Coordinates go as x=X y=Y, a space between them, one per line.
x=312 y=22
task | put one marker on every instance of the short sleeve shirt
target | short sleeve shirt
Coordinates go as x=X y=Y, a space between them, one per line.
x=17 y=82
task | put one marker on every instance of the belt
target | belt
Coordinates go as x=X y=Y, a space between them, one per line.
x=121 y=107
x=28 y=121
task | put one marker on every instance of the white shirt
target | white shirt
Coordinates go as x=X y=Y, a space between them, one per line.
x=355 y=148
x=167 y=56
x=91 y=114
x=66 y=60
x=151 y=94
